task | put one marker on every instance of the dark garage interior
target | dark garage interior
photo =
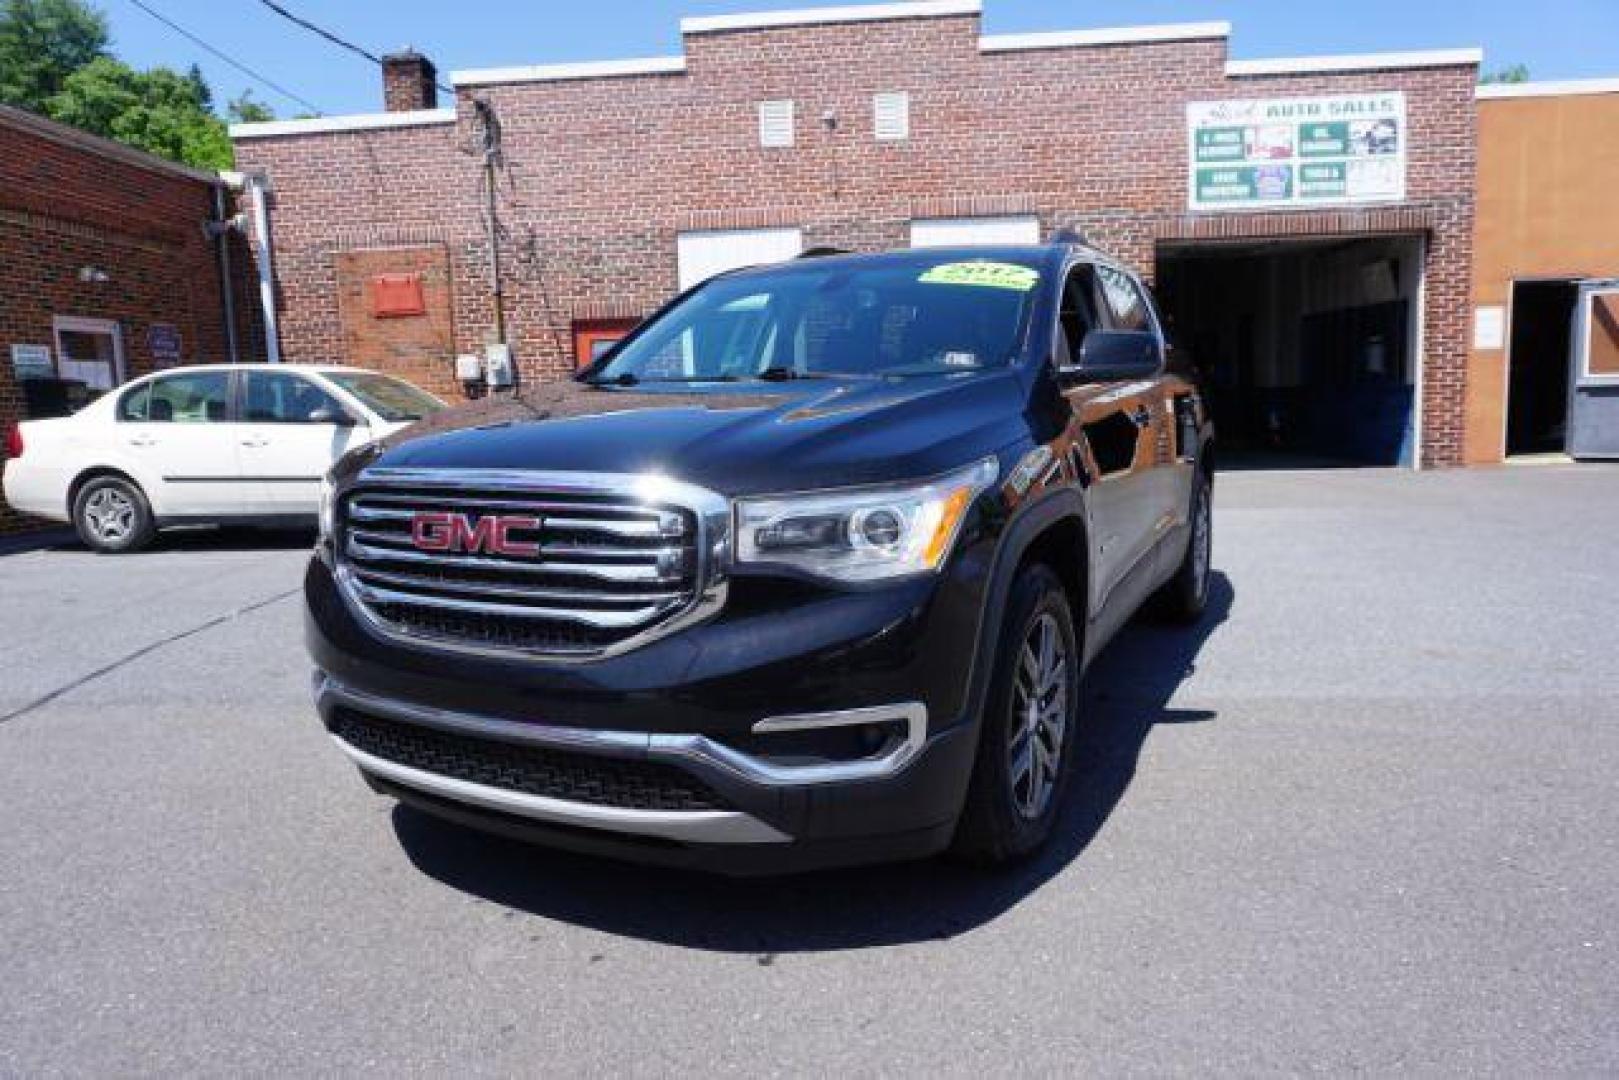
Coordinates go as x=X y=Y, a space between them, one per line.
x=1537 y=375
x=1307 y=347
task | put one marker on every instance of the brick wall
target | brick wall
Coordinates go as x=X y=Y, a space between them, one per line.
x=69 y=202
x=604 y=172
x=408 y=346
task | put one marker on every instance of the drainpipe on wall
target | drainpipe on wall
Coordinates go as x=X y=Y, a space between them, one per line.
x=257 y=186
x=220 y=227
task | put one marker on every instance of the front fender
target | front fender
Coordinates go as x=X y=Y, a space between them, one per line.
x=1060 y=505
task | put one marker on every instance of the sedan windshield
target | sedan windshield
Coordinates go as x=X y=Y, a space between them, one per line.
x=898 y=318
x=395 y=400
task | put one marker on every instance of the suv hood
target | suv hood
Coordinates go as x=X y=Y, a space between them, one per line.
x=732 y=439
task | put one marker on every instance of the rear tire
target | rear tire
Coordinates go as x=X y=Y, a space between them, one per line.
x=112 y=516
x=1185 y=597
x=1026 y=737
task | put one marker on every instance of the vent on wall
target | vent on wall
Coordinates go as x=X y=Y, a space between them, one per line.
x=891 y=116
x=775 y=123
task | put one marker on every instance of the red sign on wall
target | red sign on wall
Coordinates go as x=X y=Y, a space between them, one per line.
x=395 y=296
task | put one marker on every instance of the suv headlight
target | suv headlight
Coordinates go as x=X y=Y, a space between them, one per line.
x=861 y=534
x=328 y=503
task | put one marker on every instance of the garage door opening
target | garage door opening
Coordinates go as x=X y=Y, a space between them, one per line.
x=1537 y=366
x=1309 y=348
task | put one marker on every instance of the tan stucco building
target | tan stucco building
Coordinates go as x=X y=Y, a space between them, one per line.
x=1544 y=372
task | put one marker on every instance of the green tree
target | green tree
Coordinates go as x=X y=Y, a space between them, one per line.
x=42 y=43
x=1517 y=73
x=248 y=110
x=160 y=111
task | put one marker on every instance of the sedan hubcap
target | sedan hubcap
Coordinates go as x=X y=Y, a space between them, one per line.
x=110 y=515
x=1039 y=717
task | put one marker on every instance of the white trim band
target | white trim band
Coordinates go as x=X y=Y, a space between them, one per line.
x=589 y=69
x=1117 y=35
x=1561 y=88
x=849 y=13
x=1320 y=65
x=687 y=826
x=321 y=125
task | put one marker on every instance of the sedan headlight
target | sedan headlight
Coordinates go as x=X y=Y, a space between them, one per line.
x=327 y=504
x=861 y=534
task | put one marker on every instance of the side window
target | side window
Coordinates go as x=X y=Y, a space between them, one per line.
x=1124 y=300
x=199 y=398
x=135 y=407
x=1077 y=315
x=283 y=398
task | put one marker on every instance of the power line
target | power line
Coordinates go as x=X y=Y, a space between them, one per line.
x=341 y=43
x=232 y=61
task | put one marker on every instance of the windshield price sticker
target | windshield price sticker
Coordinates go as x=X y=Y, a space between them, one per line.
x=984 y=275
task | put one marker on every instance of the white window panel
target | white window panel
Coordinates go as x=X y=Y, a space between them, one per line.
x=776 y=123
x=952 y=232
x=891 y=116
x=703 y=254
x=90 y=350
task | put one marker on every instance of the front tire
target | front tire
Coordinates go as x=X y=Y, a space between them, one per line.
x=112 y=516
x=1026 y=738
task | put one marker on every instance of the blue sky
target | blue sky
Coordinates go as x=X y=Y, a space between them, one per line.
x=1557 y=39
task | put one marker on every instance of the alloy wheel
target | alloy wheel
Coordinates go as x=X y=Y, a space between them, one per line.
x=1039 y=717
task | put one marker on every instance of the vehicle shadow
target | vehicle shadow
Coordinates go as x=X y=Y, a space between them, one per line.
x=1127 y=694
x=203 y=538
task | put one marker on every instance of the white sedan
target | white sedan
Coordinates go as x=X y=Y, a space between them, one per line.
x=246 y=443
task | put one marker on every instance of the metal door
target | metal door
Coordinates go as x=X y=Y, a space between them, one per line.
x=1593 y=412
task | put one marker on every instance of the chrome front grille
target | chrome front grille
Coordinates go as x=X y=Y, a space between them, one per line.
x=562 y=565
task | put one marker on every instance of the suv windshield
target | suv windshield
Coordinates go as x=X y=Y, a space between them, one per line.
x=395 y=400
x=904 y=317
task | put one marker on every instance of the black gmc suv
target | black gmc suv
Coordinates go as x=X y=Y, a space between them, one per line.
x=803 y=572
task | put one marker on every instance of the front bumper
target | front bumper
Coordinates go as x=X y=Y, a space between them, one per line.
x=711 y=702
x=774 y=816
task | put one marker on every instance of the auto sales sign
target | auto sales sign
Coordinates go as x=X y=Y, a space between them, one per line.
x=1296 y=152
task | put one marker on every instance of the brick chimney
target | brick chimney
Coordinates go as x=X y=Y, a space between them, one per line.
x=409 y=82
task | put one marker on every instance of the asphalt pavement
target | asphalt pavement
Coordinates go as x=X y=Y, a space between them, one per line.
x=1365 y=818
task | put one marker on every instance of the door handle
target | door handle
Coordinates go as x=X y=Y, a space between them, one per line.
x=142 y=440
x=1141 y=417
x=255 y=441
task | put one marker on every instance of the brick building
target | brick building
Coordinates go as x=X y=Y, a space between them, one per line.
x=108 y=269
x=1308 y=222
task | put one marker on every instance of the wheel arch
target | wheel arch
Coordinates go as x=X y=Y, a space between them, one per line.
x=1053 y=531
x=95 y=472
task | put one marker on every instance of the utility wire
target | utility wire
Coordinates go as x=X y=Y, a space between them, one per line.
x=333 y=38
x=232 y=61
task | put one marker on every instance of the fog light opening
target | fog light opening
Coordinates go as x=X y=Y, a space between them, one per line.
x=843 y=744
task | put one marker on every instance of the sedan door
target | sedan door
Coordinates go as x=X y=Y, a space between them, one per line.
x=179 y=433
x=292 y=432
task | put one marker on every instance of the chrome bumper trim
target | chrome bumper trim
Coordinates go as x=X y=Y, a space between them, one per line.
x=696 y=751
x=687 y=826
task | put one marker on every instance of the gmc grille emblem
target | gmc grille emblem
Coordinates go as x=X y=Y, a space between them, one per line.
x=432 y=530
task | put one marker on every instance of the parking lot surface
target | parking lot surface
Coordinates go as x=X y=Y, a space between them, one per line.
x=1364 y=818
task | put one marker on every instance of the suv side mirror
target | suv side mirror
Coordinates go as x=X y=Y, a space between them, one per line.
x=1115 y=355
